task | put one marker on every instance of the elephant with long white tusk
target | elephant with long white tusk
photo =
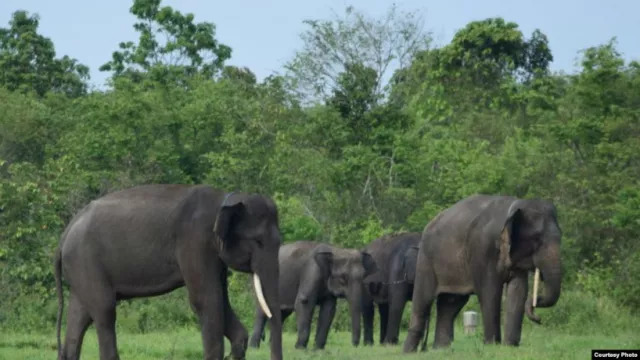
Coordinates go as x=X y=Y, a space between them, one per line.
x=150 y=240
x=475 y=247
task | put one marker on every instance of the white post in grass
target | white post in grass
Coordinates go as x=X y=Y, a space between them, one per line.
x=470 y=320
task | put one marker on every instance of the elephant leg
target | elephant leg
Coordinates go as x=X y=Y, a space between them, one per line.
x=397 y=302
x=105 y=323
x=304 y=308
x=211 y=319
x=103 y=312
x=424 y=294
x=234 y=330
x=92 y=295
x=99 y=300
x=490 y=298
x=448 y=307
x=206 y=296
x=78 y=321
x=325 y=318
x=258 y=328
x=284 y=314
x=383 y=310
x=516 y=297
x=368 y=311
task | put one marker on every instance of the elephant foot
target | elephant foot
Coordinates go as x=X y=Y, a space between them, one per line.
x=441 y=345
x=511 y=342
x=390 y=342
x=367 y=343
x=232 y=357
x=412 y=341
x=253 y=343
x=491 y=342
x=238 y=352
x=300 y=346
x=442 y=340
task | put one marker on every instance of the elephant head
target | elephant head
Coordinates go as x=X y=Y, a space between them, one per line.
x=248 y=240
x=531 y=239
x=344 y=271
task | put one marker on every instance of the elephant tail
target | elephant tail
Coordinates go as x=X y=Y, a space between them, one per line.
x=58 y=277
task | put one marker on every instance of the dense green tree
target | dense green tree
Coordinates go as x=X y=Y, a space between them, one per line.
x=190 y=48
x=28 y=61
x=330 y=47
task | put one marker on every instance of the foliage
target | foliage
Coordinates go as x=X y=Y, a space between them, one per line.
x=28 y=62
x=482 y=114
x=190 y=48
x=331 y=46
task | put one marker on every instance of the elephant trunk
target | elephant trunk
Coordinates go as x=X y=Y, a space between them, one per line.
x=267 y=277
x=355 y=310
x=550 y=264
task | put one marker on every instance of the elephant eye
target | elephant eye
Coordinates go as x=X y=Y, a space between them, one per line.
x=344 y=279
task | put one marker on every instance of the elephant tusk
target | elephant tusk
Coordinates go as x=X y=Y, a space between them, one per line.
x=536 y=280
x=257 y=284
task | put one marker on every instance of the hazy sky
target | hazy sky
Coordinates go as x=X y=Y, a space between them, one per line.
x=264 y=33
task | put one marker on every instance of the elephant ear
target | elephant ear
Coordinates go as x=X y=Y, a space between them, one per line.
x=507 y=237
x=372 y=279
x=410 y=263
x=230 y=210
x=369 y=264
x=520 y=235
x=324 y=259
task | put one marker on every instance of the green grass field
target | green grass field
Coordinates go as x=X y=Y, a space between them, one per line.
x=537 y=343
x=570 y=330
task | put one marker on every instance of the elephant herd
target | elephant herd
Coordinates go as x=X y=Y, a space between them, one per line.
x=317 y=274
x=152 y=239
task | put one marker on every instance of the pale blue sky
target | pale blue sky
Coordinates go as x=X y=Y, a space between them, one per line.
x=264 y=34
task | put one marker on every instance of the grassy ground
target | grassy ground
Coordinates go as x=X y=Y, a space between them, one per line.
x=579 y=323
x=537 y=343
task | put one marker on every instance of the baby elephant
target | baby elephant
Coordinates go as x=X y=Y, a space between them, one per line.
x=313 y=273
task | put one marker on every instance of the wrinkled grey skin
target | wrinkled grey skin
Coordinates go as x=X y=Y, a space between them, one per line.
x=475 y=247
x=148 y=241
x=391 y=286
x=314 y=273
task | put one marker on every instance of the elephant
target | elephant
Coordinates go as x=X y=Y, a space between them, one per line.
x=392 y=285
x=315 y=273
x=149 y=240
x=476 y=246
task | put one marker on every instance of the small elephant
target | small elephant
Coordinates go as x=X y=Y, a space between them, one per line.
x=314 y=273
x=150 y=240
x=475 y=247
x=392 y=285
